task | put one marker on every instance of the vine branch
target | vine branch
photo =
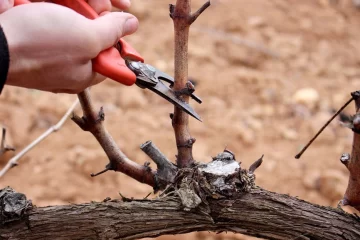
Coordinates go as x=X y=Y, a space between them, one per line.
x=196 y=14
x=259 y=213
x=92 y=121
x=182 y=18
x=352 y=162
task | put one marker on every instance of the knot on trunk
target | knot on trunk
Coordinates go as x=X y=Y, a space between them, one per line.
x=221 y=178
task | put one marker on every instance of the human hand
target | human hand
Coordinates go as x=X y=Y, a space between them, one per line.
x=100 y=6
x=51 y=46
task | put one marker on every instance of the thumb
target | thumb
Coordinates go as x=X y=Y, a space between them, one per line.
x=6 y=5
x=112 y=26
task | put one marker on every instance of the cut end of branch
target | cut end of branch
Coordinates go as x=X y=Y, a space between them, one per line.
x=150 y=149
x=166 y=170
x=345 y=159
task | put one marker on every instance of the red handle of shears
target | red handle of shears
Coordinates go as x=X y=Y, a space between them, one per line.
x=109 y=62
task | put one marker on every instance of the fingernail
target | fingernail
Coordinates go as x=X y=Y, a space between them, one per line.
x=131 y=25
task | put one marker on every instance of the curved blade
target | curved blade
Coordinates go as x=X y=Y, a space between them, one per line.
x=167 y=78
x=151 y=78
x=162 y=90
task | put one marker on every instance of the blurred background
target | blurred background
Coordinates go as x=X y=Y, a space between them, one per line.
x=270 y=73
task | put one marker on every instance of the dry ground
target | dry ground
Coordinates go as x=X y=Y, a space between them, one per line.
x=270 y=73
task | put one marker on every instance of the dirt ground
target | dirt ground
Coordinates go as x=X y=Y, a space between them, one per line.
x=270 y=73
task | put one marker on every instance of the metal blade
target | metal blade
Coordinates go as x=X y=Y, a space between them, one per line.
x=151 y=78
x=164 y=91
x=167 y=78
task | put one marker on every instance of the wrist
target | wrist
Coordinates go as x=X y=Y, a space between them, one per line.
x=20 y=63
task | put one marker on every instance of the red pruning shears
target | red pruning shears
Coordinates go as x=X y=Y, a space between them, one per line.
x=122 y=63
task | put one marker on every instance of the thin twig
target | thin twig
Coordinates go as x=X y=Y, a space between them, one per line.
x=14 y=160
x=196 y=14
x=297 y=156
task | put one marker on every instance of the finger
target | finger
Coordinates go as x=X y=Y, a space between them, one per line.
x=100 y=5
x=112 y=26
x=6 y=5
x=97 y=79
x=121 y=4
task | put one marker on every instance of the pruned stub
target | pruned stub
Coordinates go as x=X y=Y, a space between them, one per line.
x=220 y=178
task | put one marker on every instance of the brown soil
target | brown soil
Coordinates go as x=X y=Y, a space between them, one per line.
x=270 y=74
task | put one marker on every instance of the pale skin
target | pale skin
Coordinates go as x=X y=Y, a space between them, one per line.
x=51 y=47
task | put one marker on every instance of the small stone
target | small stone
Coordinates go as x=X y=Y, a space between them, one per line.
x=262 y=111
x=289 y=134
x=308 y=97
x=245 y=134
x=256 y=21
x=254 y=124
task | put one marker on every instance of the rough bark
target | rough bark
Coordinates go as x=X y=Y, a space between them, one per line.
x=259 y=213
